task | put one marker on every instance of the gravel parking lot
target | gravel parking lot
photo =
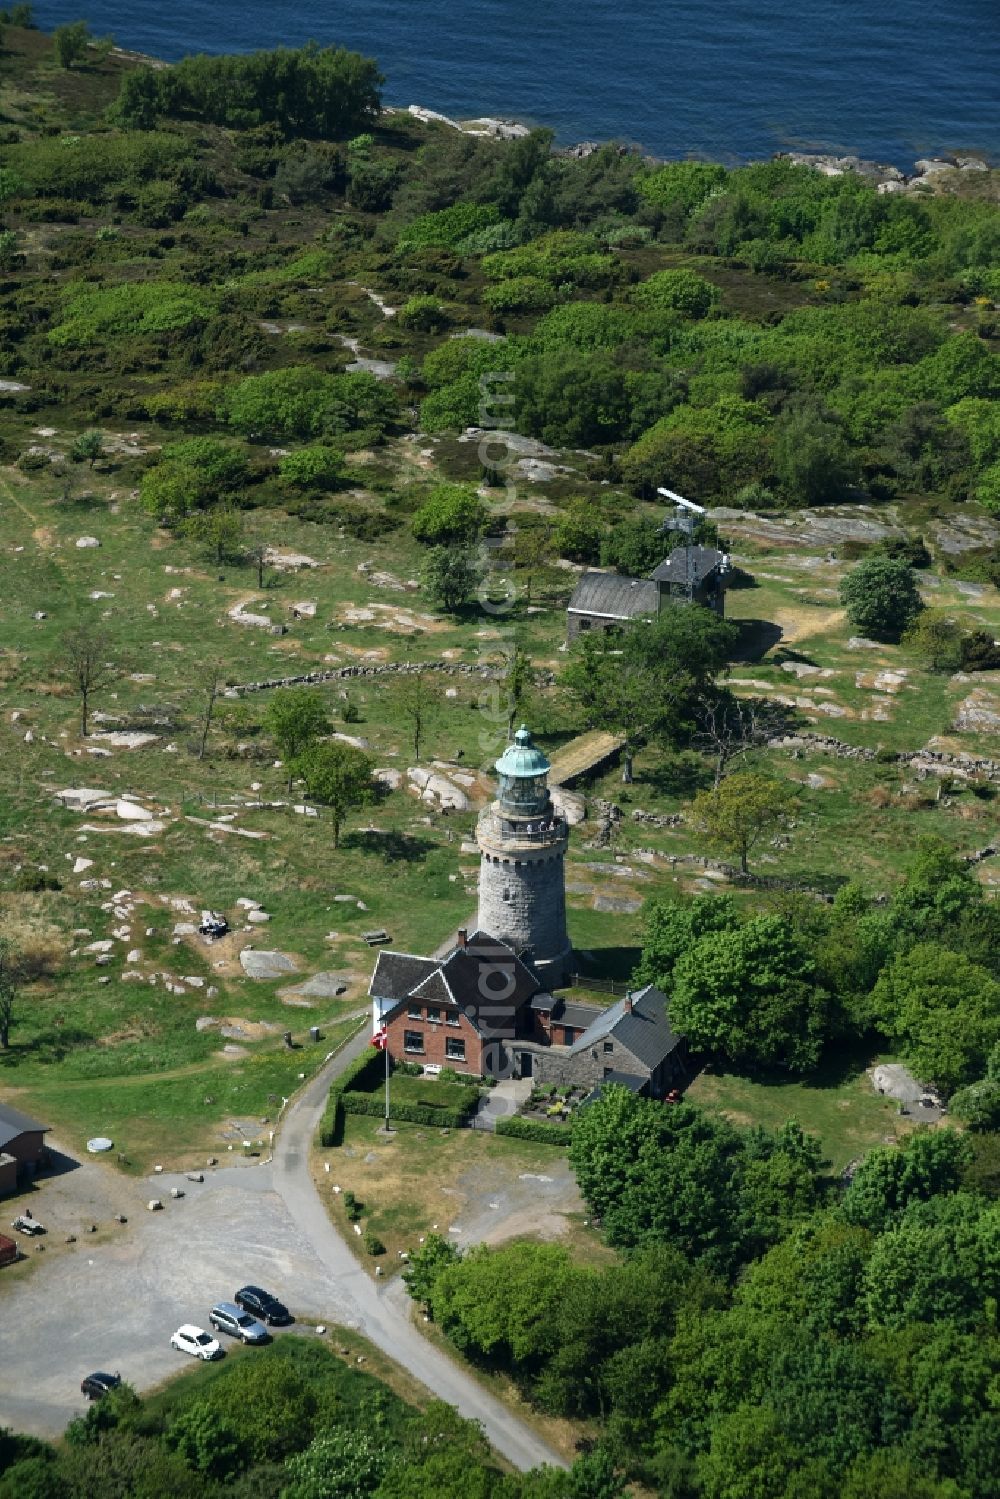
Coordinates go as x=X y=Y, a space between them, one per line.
x=113 y=1300
x=114 y=1304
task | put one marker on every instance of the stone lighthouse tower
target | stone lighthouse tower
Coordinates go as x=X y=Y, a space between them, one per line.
x=522 y=840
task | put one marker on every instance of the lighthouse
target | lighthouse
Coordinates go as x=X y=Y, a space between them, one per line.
x=522 y=843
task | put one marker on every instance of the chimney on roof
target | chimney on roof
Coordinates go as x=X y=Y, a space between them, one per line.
x=627 y=1005
x=463 y=936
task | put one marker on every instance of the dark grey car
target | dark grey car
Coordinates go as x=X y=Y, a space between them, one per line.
x=227 y=1317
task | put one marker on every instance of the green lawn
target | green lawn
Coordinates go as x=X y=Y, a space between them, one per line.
x=156 y=1117
x=838 y=1105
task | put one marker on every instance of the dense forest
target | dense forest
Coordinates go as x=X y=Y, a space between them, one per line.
x=204 y=248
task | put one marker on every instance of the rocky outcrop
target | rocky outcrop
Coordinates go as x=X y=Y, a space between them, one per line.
x=886 y=178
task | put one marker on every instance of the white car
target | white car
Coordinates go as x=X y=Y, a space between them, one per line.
x=194 y=1340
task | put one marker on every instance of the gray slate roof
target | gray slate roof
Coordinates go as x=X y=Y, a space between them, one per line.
x=645 y=1031
x=627 y=1080
x=576 y=1013
x=474 y=976
x=674 y=569
x=614 y=596
x=397 y=974
x=14 y=1123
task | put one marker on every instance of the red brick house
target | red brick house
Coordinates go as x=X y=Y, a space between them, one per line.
x=461 y=1011
x=481 y=1010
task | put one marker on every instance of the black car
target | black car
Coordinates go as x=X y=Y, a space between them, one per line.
x=261 y=1304
x=96 y=1385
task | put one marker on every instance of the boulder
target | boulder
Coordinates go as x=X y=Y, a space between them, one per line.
x=321 y=986
x=265 y=965
x=84 y=799
x=130 y=811
x=87 y=541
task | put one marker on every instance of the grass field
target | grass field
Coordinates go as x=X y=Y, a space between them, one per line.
x=837 y=1105
x=420 y=1181
x=77 y=1041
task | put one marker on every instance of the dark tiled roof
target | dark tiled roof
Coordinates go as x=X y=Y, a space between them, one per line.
x=627 y=1080
x=397 y=974
x=476 y=975
x=578 y=1014
x=544 y=1002
x=614 y=596
x=487 y=972
x=14 y=1123
x=645 y=1031
x=674 y=569
x=434 y=988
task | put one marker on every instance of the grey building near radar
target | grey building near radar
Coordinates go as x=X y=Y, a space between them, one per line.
x=609 y=600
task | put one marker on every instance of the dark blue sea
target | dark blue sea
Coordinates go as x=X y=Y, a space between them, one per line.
x=731 y=80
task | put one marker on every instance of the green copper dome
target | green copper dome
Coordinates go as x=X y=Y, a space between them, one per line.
x=522 y=760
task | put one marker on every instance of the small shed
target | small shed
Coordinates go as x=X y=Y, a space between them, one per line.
x=8 y=1250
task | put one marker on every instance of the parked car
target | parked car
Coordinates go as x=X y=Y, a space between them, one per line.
x=98 y=1384
x=263 y=1305
x=196 y=1341
x=25 y=1224
x=227 y=1317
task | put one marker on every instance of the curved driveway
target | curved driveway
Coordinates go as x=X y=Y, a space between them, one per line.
x=113 y=1302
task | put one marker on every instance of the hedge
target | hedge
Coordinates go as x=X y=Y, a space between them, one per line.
x=408 y=1113
x=368 y=1067
x=534 y=1129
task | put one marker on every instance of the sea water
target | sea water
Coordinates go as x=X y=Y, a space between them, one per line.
x=733 y=80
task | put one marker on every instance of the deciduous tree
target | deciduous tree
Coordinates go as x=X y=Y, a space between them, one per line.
x=741 y=810
x=87 y=659
x=338 y=776
x=881 y=597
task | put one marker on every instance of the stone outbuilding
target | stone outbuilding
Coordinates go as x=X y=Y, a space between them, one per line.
x=22 y=1148
x=610 y=600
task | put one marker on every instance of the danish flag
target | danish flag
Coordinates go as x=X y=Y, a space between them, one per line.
x=381 y=1038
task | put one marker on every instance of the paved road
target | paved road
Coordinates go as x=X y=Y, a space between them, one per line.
x=113 y=1304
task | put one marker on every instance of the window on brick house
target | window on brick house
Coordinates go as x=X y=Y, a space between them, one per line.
x=414 y=1013
x=569 y=1035
x=454 y=1049
x=609 y=1046
x=451 y=1018
x=413 y=1041
x=434 y=1013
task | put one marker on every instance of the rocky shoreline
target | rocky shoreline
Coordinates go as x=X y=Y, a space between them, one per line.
x=885 y=177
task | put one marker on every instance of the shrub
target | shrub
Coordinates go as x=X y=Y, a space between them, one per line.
x=522 y=294
x=677 y=291
x=451 y=513
x=94 y=315
x=373 y=1104
x=426 y=314
x=978 y=1105
x=86 y=166
x=317 y=467
x=449 y=226
x=373 y=1244
x=534 y=1129
x=366 y=1069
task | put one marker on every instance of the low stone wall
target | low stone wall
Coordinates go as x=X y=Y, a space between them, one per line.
x=922 y=758
x=382 y=669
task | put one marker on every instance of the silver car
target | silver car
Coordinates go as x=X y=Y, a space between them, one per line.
x=227 y=1317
